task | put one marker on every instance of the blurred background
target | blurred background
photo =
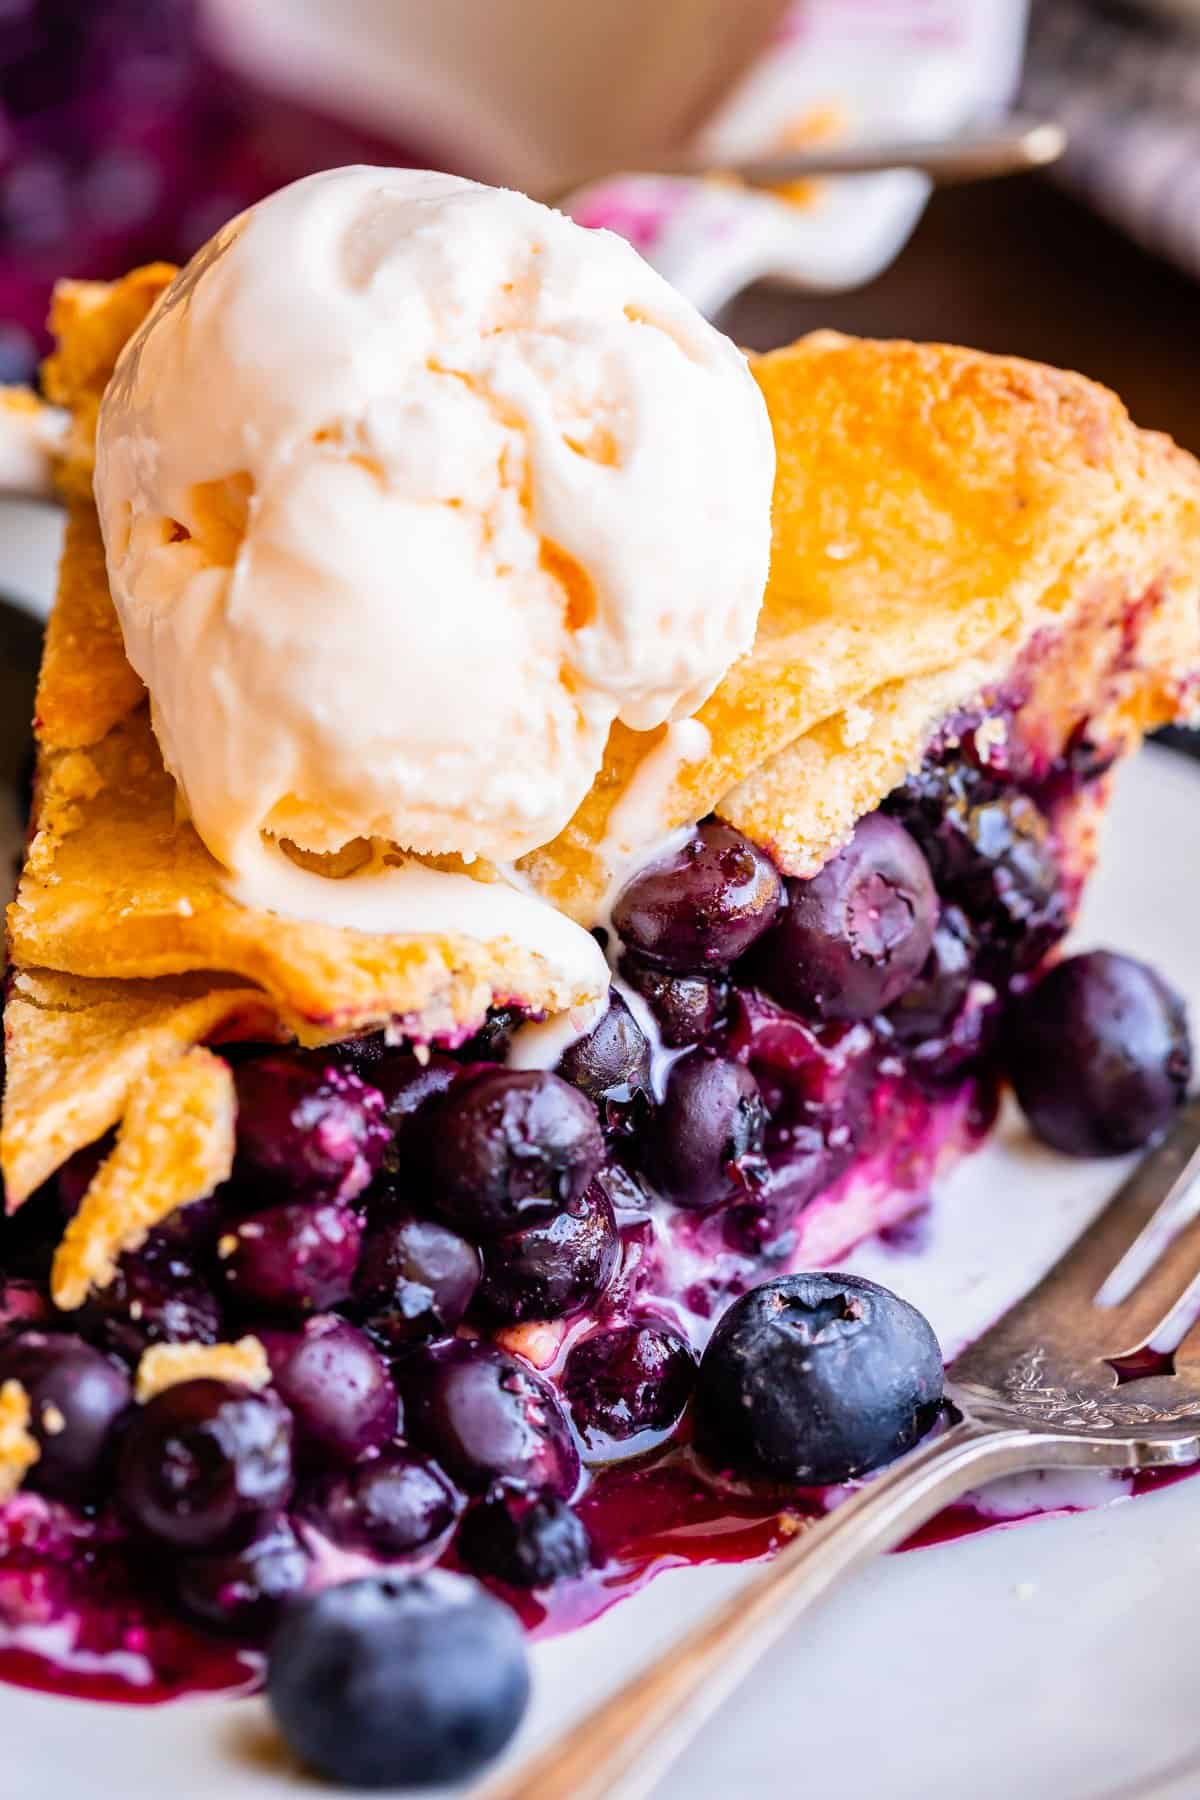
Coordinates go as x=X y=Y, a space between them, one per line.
x=129 y=129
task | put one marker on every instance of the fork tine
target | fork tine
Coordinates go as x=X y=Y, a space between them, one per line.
x=1137 y=1240
x=1186 y=1349
x=1164 y=1303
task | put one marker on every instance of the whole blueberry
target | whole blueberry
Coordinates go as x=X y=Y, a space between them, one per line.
x=552 y=1269
x=1099 y=1054
x=927 y=1009
x=509 y=1146
x=611 y=1062
x=154 y=1298
x=202 y=1462
x=392 y=1505
x=305 y=1131
x=242 y=1590
x=76 y=1396
x=486 y=1415
x=852 y=939
x=708 y=1134
x=701 y=907
x=415 y=1281
x=816 y=1379
x=686 y=1008
x=336 y=1386
x=296 y=1258
x=626 y=1381
x=527 y=1540
x=409 y=1086
x=398 y=1681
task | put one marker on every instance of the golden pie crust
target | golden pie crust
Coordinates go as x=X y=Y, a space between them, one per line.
x=166 y=1365
x=175 y=1145
x=950 y=529
x=19 y=1449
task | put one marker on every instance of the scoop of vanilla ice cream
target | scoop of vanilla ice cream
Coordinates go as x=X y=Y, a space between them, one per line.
x=410 y=488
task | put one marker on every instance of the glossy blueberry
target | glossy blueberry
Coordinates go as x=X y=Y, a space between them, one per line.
x=852 y=939
x=818 y=1083
x=493 y=1040
x=802 y=1161
x=305 y=1131
x=392 y=1505
x=626 y=1191
x=948 y=1023
x=702 y=907
x=415 y=1281
x=202 y=1463
x=627 y=1381
x=1099 y=1054
x=486 y=1415
x=409 y=1086
x=927 y=1009
x=527 y=1540
x=686 y=1008
x=398 y=1681
x=612 y=1062
x=242 y=1590
x=708 y=1133
x=292 y=1259
x=154 y=1298
x=509 y=1146
x=336 y=1386
x=816 y=1379
x=552 y=1269
x=76 y=1396
x=991 y=852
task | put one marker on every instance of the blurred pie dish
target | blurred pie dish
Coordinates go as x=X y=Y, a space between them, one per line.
x=443 y=1164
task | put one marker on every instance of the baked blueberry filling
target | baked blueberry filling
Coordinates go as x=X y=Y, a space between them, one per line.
x=502 y=1308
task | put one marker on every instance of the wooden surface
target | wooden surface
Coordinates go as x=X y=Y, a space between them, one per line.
x=1016 y=266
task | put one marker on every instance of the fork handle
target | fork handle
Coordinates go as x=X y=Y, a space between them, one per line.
x=623 y=1748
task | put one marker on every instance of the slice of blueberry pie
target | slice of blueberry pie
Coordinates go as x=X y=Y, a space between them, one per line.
x=471 y=933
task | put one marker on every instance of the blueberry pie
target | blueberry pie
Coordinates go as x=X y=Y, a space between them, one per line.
x=352 y=1212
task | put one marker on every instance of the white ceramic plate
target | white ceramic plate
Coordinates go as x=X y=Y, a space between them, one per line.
x=1057 y=1659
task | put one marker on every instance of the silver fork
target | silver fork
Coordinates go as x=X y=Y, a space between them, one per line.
x=1097 y=1367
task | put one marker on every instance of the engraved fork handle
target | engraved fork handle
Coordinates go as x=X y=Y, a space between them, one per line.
x=623 y=1748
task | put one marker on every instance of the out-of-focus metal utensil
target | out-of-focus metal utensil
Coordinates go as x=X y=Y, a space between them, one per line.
x=1010 y=146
